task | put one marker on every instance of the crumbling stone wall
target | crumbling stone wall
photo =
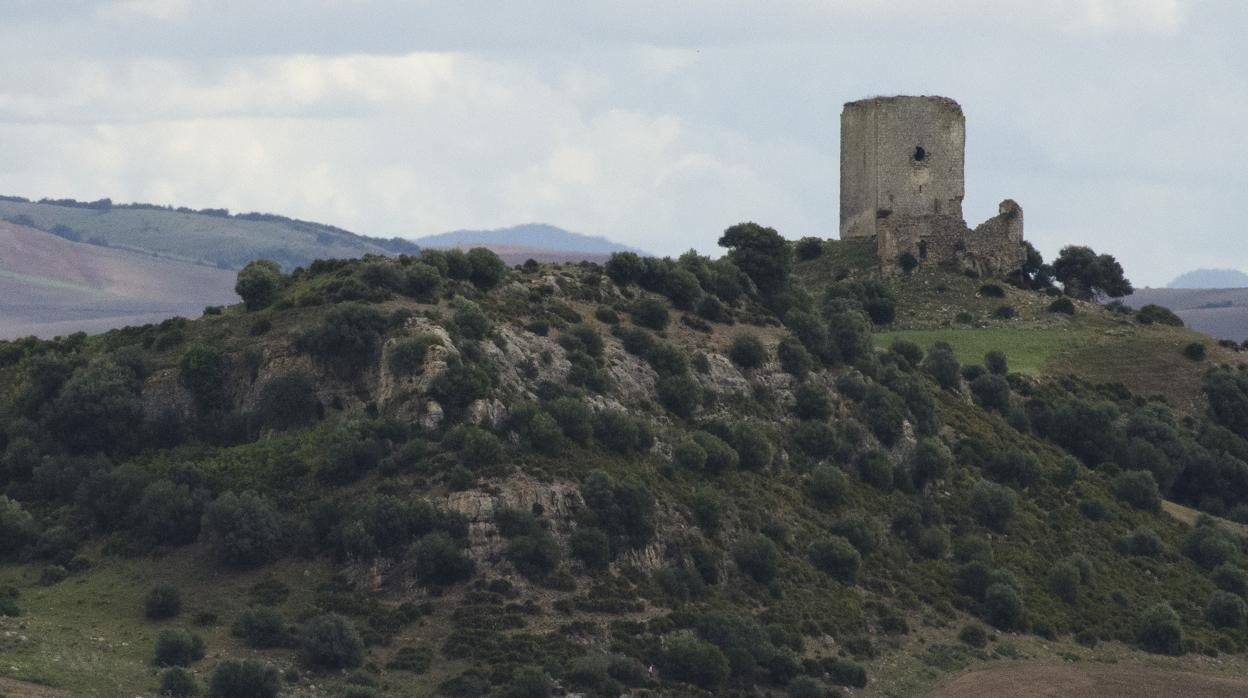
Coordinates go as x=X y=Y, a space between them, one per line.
x=902 y=182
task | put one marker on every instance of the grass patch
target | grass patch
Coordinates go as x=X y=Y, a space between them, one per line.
x=1028 y=350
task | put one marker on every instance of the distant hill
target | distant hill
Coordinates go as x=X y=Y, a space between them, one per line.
x=544 y=239
x=1218 y=312
x=212 y=237
x=51 y=286
x=1211 y=278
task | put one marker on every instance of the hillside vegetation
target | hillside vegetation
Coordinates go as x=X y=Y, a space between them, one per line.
x=765 y=473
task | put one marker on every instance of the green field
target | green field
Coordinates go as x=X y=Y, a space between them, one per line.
x=1028 y=351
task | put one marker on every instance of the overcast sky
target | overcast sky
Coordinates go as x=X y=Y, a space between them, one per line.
x=1115 y=123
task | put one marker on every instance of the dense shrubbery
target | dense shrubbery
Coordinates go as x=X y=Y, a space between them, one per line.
x=1159 y=630
x=243 y=530
x=747 y=351
x=837 y=557
x=177 y=647
x=346 y=339
x=244 y=679
x=162 y=602
x=330 y=641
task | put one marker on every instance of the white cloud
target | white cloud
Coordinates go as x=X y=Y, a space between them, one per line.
x=161 y=10
x=389 y=145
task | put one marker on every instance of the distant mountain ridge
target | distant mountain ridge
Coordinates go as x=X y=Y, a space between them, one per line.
x=529 y=235
x=211 y=236
x=1211 y=278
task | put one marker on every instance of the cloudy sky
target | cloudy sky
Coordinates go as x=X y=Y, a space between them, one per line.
x=1115 y=123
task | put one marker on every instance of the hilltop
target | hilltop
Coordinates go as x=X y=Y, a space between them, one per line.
x=544 y=243
x=434 y=474
x=1211 y=278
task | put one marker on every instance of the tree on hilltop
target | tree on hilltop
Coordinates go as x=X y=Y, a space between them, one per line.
x=1085 y=274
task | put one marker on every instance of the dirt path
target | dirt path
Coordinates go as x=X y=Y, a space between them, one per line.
x=20 y=689
x=1096 y=680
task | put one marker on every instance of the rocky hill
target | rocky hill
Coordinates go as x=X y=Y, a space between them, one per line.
x=435 y=475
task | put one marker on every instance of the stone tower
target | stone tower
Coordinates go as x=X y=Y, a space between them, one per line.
x=902 y=182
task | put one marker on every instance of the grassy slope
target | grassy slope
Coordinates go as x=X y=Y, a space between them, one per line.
x=194 y=237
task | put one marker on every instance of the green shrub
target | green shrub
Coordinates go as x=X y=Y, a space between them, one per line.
x=621 y=432
x=591 y=546
x=407 y=355
x=178 y=682
x=804 y=687
x=707 y=510
x=694 y=661
x=992 y=505
x=624 y=268
x=753 y=446
x=992 y=392
x=1013 y=467
x=17 y=528
x=1064 y=580
x=1093 y=509
x=808 y=248
x=625 y=511
x=680 y=393
x=288 y=400
x=480 y=448
x=876 y=470
x=1144 y=542
x=827 y=485
x=1063 y=306
x=862 y=532
x=907 y=350
x=941 y=364
x=243 y=530
x=1151 y=313
x=720 y=456
x=261 y=627
x=1210 y=546
x=422 y=281
x=438 y=561
x=996 y=363
x=177 y=647
x=535 y=556
x=747 y=351
x=528 y=682
x=346 y=338
x=934 y=543
x=244 y=679
x=884 y=412
x=651 y=314
x=1228 y=577
x=574 y=418
x=1226 y=610
x=330 y=641
x=487 y=269
x=259 y=283
x=1159 y=630
x=811 y=402
x=757 y=557
x=844 y=672
x=836 y=557
x=974 y=635
x=201 y=370
x=930 y=461
x=793 y=357
x=816 y=439
x=667 y=360
x=1138 y=488
x=471 y=320
x=689 y=455
x=1195 y=351
x=162 y=602
x=1003 y=606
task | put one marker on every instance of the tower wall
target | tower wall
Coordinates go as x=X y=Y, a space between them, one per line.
x=901 y=157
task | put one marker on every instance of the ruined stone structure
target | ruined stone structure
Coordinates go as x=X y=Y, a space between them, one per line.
x=902 y=183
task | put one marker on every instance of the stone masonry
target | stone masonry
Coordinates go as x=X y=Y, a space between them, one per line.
x=902 y=183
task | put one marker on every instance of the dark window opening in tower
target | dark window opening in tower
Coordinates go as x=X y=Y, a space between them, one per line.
x=922 y=249
x=919 y=154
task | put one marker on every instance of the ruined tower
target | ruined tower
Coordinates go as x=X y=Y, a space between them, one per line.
x=902 y=182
